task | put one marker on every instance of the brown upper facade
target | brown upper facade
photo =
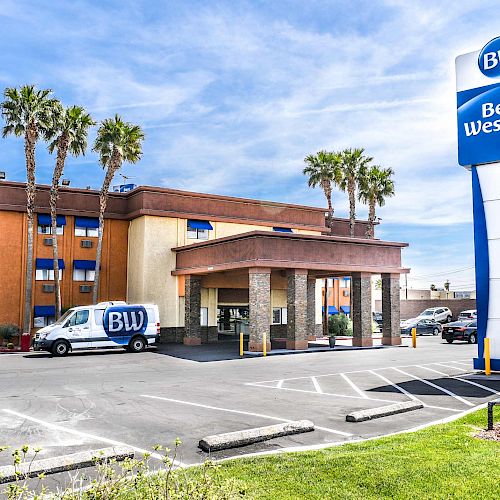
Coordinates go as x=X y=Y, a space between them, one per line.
x=164 y=202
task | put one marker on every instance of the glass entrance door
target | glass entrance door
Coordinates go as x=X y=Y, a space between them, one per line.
x=231 y=320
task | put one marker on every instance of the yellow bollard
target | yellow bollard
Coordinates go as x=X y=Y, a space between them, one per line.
x=414 y=337
x=241 y=344
x=487 y=357
x=264 y=345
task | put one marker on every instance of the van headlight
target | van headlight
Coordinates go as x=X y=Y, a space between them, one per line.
x=42 y=336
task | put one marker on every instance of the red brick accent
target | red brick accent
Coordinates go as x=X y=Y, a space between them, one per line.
x=362 y=342
x=391 y=340
x=192 y=340
x=257 y=346
x=296 y=344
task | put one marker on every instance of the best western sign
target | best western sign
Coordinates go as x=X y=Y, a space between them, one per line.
x=478 y=105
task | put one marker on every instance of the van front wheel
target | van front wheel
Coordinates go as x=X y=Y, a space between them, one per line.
x=60 y=348
x=137 y=344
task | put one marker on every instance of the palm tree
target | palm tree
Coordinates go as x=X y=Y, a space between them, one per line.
x=323 y=170
x=353 y=164
x=375 y=185
x=116 y=142
x=70 y=127
x=27 y=113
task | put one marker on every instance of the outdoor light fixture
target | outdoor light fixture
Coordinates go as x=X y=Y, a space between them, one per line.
x=2 y=176
x=66 y=182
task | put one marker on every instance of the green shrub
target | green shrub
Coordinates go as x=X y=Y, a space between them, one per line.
x=8 y=331
x=339 y=325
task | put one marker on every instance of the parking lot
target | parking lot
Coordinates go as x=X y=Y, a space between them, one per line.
x=92 y=400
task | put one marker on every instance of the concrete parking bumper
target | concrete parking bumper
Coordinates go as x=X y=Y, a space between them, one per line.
x=242 y=438
x=63 y=463
x=383 y=411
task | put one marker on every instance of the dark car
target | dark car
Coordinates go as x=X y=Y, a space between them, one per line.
x=377 y=317
x=423 y=326
x=461 y=330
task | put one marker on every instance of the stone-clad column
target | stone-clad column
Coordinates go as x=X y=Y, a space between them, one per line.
x=297 y=330
x=259 y=301
x=311 y=309
x=361 y=310
x=391 y=329
x=192 y=334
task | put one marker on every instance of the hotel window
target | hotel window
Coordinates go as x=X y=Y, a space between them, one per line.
x=88 y=227
x=198 y=229
x=280 y=316
x=45 y=224
x=44 y=269
x=41 y=321
x=43 y=316
x=344 y=282
x=46 y=274
x=83 y=270
x=204 y=316
x=282 y=229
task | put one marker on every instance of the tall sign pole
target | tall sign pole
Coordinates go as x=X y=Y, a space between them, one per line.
x=478 y=115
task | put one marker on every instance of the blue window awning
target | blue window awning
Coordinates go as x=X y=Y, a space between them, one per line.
x=44 y=311
x=199 y=224
x=345 y=309
x=45 y=220
x=84 y=264
x=48 y=264
x=331 y=310
x=282 y=229
x=91 y=222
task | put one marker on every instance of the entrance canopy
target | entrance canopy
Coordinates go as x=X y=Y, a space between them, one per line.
x=320 y=255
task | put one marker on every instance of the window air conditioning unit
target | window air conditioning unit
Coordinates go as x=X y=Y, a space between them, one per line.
x=85 y=288
x=47 y=242
x=86 y=243
x=346 y=293
x=47 y=288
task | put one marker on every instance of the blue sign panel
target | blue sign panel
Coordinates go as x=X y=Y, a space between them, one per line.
x=478 y=105
x=122 y=322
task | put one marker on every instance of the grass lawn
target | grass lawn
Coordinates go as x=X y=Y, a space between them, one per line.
x=444 y=461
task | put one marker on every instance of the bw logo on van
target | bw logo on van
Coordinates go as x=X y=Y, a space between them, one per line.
x=125 y=321
x=478 y=105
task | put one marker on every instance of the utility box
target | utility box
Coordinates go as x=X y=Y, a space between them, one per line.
x=25 y=342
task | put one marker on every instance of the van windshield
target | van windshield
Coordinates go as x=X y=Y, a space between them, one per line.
x=428 y=312
x=64 y=317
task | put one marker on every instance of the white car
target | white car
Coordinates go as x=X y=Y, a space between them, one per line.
x=105 y=325
x=439 y=314
x=466 y=315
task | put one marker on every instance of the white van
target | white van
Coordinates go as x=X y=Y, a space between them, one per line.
x=105 y=325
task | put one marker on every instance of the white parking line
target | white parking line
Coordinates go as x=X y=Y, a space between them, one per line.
x=460 y=363
x=411 y=396
x=280 y=384
x=448 y=366
x=316 y=385
x=431 y=384
x=354 y=386
x=240 y=412
x=61 y=428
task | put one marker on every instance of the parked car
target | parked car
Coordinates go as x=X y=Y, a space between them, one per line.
x=423 y=326
x=107 y=324
x=461 y=330
x=439 y=314
x=470 y=314
x=377 y=317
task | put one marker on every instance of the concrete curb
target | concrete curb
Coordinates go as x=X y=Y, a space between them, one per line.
x=242 y=438
x=383 y=411
x=63 y=463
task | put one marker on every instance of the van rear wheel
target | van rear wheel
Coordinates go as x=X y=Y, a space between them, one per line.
x=60 y=348
x=137 y=344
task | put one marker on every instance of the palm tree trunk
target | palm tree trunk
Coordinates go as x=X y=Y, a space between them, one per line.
x=114 y=165
x=370 y=233
x=327 y=188
x=29 y=151
x=325 y=310
x=62 y=151
x=351 y=189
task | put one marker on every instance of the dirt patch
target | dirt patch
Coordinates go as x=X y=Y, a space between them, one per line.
x=493 y=435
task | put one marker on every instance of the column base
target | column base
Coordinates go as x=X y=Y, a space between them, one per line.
x=192 y=341
x=311 y=338
x=362 y=342
x=391 y=340
x=297 y=344
x=257 y=346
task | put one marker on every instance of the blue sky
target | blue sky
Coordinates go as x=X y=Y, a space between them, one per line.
x=233 y=95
